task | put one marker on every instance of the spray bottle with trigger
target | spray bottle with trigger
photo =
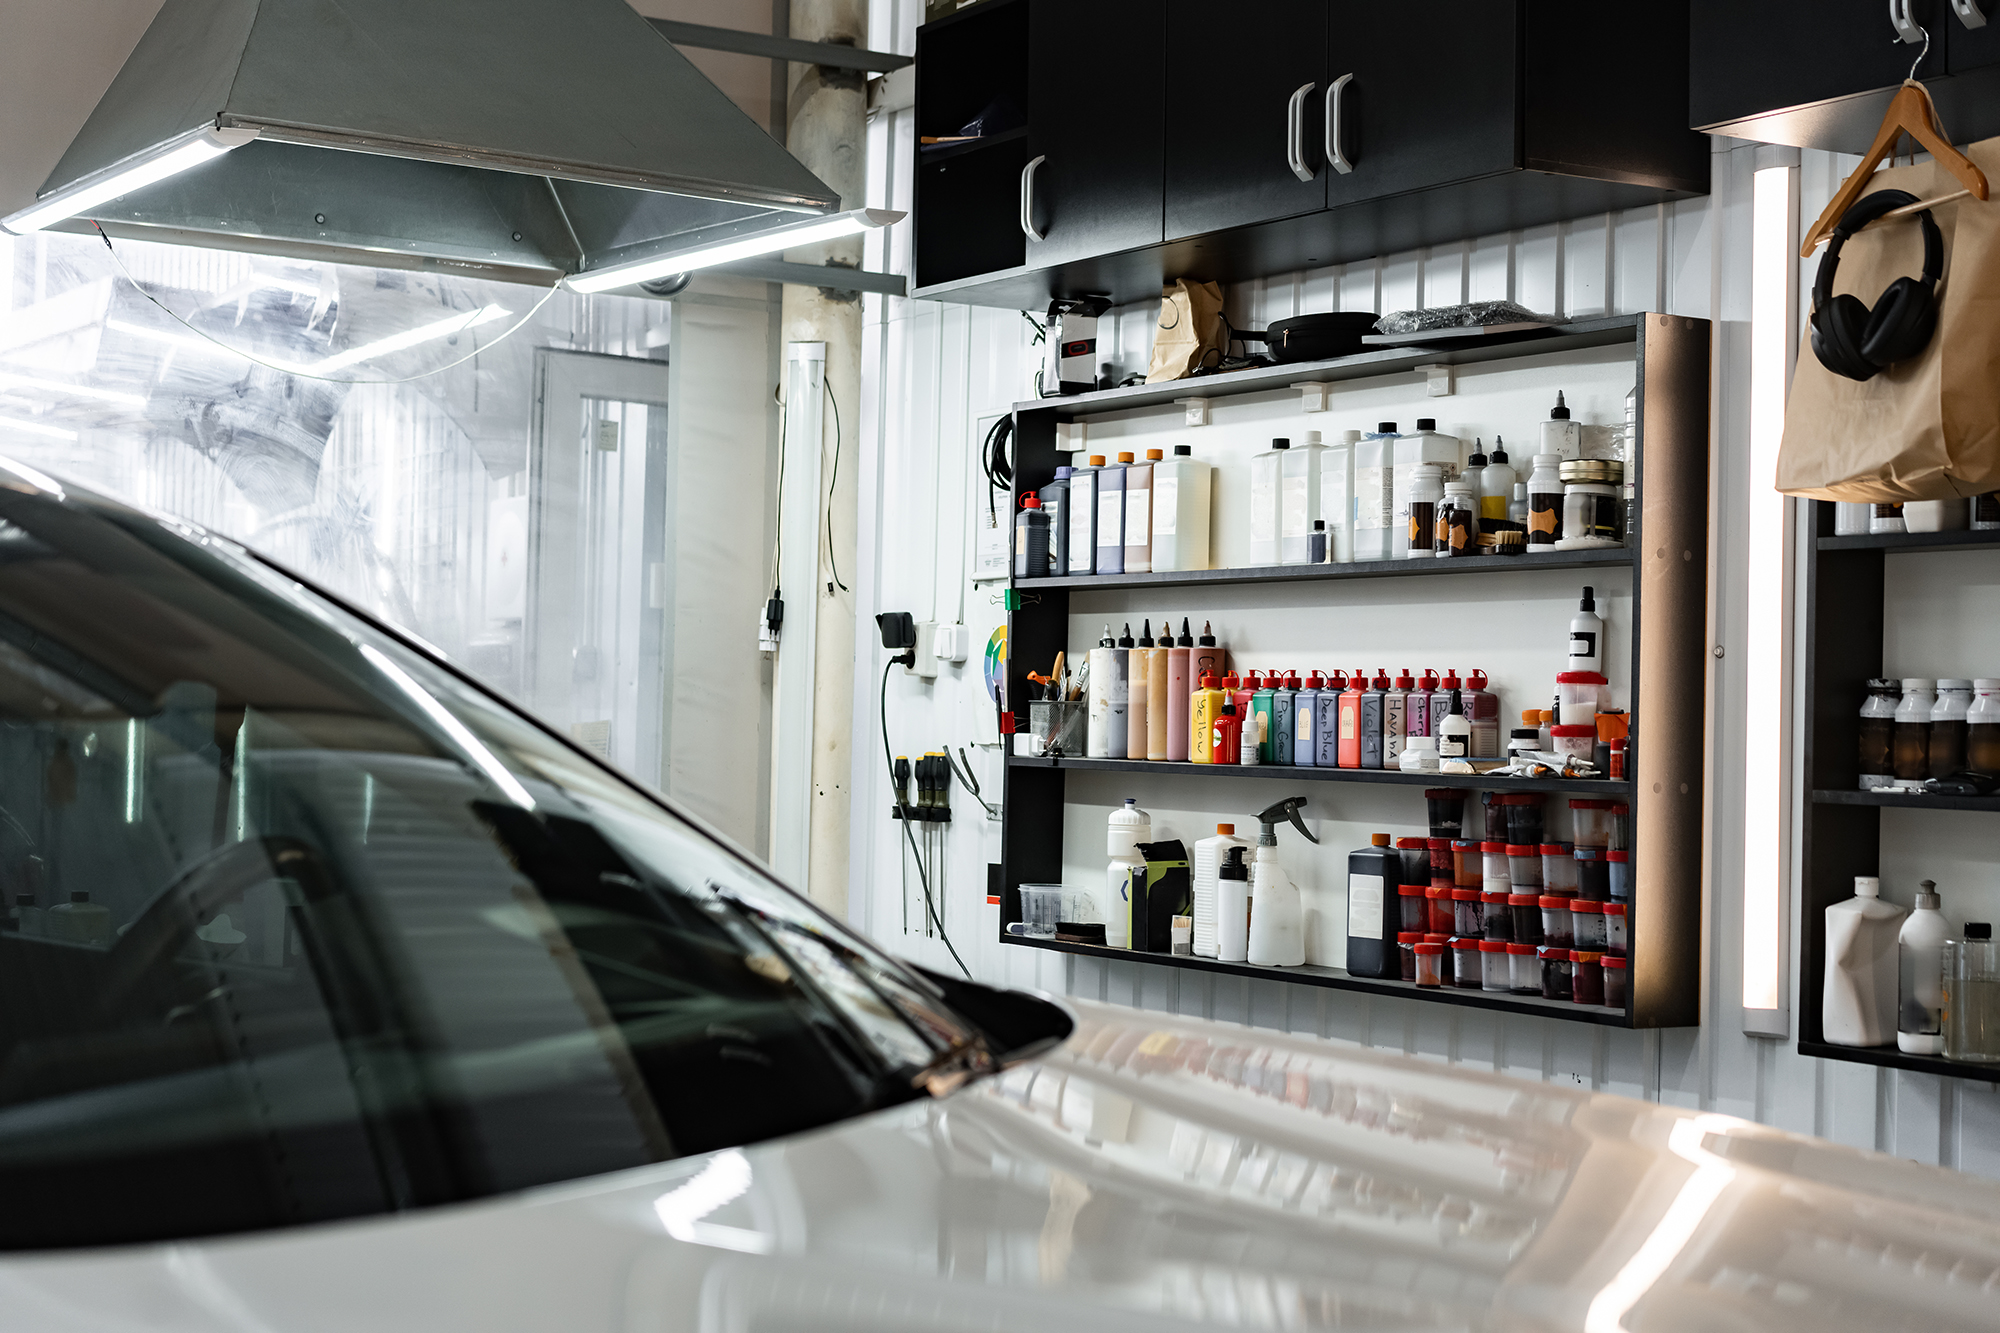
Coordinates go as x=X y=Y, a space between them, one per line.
x=1277 y=920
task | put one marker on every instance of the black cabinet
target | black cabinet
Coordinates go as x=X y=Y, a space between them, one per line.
x=1244 y=122
x=1820 y=73
x=1096 y=84
x=1425 y=94
x=1199 y=141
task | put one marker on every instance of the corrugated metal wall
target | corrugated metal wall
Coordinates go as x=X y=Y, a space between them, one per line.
x=936 y=375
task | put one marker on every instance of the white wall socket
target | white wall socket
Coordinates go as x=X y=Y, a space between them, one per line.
x=953 y=643
x=926 y=651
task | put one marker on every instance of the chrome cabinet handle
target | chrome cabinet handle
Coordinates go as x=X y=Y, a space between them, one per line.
x=1335 y=158
x=1028 y=198
x=1969 y=12
x=1295 y=134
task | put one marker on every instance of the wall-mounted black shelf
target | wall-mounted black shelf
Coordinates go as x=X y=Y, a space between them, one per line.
x=1963 y=540
x=1582 y=787
x=1357 y=569
x=1578 y=335
x=1843 y=824
x=1889 y=1057
x=1669 y=656
x=1905 y=800
x=944 y=152
x=1334 y=978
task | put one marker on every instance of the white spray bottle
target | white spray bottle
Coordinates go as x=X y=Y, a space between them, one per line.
x=1277 y=919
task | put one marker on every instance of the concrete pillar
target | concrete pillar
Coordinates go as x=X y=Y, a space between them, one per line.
x=826 y=129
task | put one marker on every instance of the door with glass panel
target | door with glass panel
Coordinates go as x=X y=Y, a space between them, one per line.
x=597 y=578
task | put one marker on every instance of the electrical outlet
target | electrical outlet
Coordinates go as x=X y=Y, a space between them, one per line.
x=953 y=643
x=926 y=651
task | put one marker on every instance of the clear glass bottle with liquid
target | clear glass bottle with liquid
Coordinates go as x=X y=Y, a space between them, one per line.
x=1972 y=996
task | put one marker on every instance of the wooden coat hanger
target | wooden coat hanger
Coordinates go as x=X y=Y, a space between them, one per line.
x=1911 y=112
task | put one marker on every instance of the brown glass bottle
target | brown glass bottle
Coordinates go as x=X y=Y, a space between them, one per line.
x=1875 y=763
x=1912 y=755
x=1982 y=748
x=1947 y=753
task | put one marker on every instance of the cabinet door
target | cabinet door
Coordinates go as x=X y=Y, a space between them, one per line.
x=1433 y=95
x=1096 y=84
x=1238 y=132
x=1751 y=57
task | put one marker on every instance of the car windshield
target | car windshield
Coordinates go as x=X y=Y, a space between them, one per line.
x=298 y=925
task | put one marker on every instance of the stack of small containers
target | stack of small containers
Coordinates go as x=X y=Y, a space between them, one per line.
x=1512 y=913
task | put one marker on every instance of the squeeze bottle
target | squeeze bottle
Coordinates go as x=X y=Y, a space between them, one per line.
x=1232 y=908
x=1305 y=724
x=1205 y=862
x=1205 y=707
x=1158 y=710
x=1138 y=671
x=1920 y=984
x=1180 y=693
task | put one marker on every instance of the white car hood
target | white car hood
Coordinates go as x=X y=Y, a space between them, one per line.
x=1153 y=1174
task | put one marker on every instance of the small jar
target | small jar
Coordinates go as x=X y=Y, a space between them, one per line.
x=1524 y=971
x=1493 y=971
x=1415 y=855
x=1465 y=972
x=1467 y=869
x=1590 y=822
x=1524 y=866
x=1495 y=874
x=1467 y=917
x=1593 y=874
x=1615 y=974
x=1406 y=952
x=1526 y=909
x=1587 y=976
x=1614 y=929
x=1586 y=924
x=1410 y=901
x=1579 y=742
x=1496 y=923
x=1555 y=972
x=1447 y=807
x=1524 y=815
x=1911 y=757
x=1621 y=827
x=1438 y=916
x=1579 y=694
x=1618 y=867
x=1954 y=701
x=1426 y=960
x=1443 y=943
x=1426 y=493
x=1559 y=868
x=1558 y=923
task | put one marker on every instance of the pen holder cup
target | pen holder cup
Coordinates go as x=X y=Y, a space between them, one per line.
x=1058 y=726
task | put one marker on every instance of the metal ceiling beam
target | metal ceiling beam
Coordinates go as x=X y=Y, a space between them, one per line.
x=777 y=48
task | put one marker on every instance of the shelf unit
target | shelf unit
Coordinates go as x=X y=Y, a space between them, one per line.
x=1842 y=824
x=1668 y=556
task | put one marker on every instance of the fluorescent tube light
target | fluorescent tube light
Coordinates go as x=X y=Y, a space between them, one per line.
x=409 y=338
x=12 y=381
x=1767 y=593
x=36 y=428
x=134 y=173
x=744 y=247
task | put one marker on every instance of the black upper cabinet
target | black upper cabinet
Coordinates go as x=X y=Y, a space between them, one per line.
x=1422 y=95
x=1172 y=140
x=1820 y=73
x=1096 y=90
x=1243 y=114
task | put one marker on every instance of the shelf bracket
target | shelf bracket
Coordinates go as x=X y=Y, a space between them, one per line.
x=1440 y=381
x=1314 y=395
x=1197 y=410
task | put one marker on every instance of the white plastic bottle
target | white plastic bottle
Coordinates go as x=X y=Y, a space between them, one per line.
x=1204 y=863
x=1586 y=635
x=1424 y=448
x=1181 y=486
x=1106 y=727
x=1083 y=516
x=1124 y=831
x=1496 y=484
x=1277 y=918
x=1561 y=436
x=1374 y=474
x=1299 y=496
x=1920 y=976
x=1859 y=1004
x=1265 y=489
x=1545 y=504
x=1336 y=497
x=1232 y=908
x=1454 y=733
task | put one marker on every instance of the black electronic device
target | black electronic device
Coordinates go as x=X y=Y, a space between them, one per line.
x=1853 y=339
x=899 y=635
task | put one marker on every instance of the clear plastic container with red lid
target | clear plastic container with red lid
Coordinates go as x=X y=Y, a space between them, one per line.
x=1590 y=819
x=1493 y=972
x=1558 y=923
x=1526 y=909
x=1524 y=970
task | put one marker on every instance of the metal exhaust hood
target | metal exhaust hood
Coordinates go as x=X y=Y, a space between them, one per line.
x=520 y=139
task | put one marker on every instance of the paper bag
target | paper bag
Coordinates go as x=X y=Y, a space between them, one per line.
x=1927 y=428
x=1190 y=328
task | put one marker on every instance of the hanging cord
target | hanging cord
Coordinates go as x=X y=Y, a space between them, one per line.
x=778 y=548
x=308 y=375
x=994 y=462
x=923 y=878
x=832 y=564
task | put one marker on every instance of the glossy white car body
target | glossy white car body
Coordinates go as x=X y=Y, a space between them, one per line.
x=1150 y=1174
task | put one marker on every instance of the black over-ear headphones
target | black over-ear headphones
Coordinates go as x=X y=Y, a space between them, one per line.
x=1849 y=338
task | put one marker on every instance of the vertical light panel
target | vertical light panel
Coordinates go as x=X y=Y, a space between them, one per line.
x=1767 y=662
